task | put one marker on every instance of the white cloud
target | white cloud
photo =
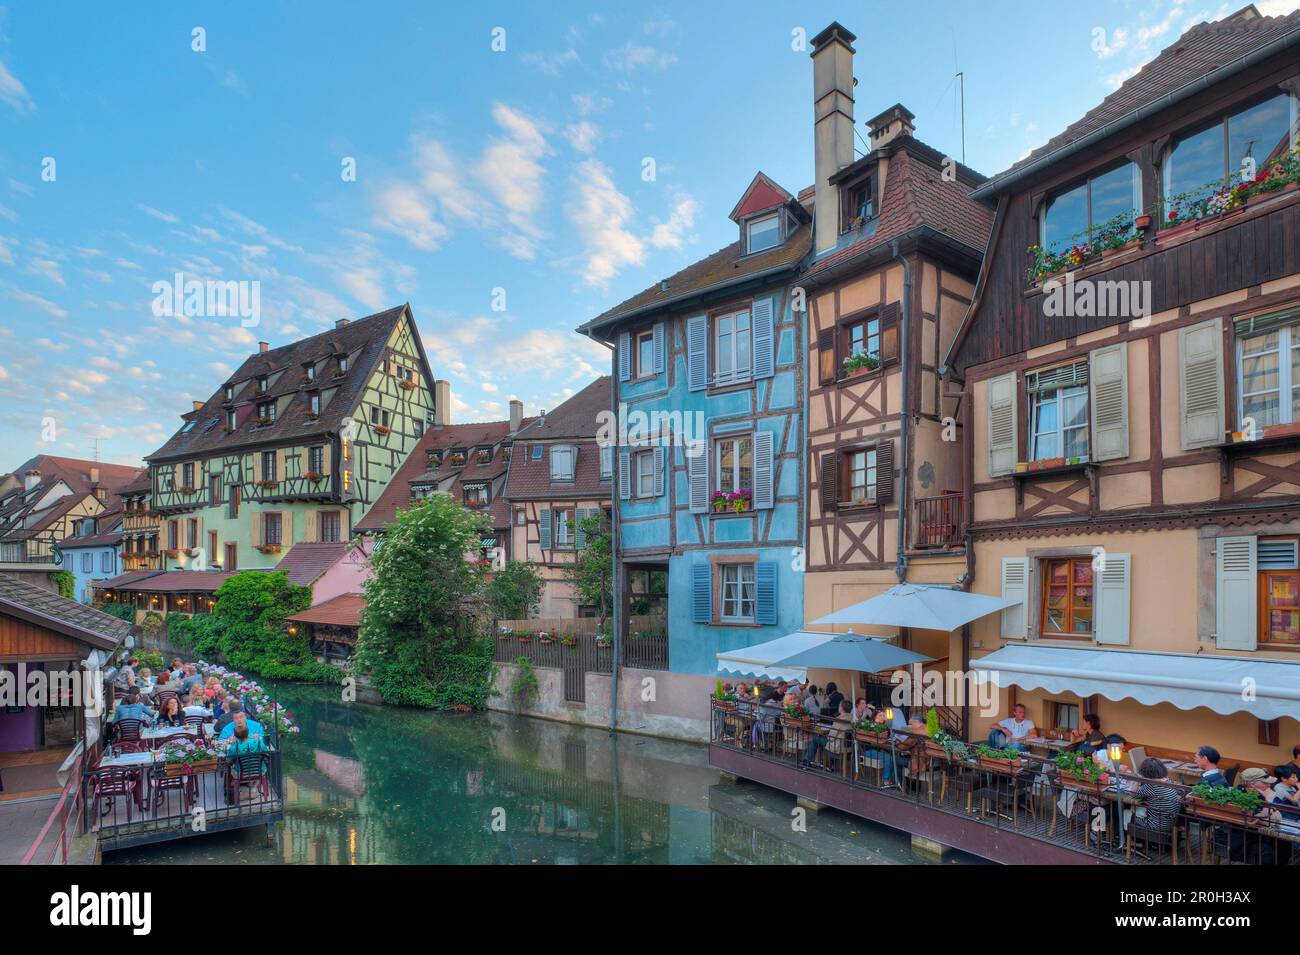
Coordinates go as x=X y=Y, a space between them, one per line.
x=672 y=233
x=630 y=57
x=588 y=104
x=158 y=213
x=14 y=93
x=48 y=269
x=551 y=63
x=401 y=208
x=44 y=304
x=583 y=136
x=51 y=345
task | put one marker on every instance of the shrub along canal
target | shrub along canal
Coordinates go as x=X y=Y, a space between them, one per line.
x=372 y=784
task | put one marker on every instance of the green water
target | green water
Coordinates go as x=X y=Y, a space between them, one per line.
x=367 y=784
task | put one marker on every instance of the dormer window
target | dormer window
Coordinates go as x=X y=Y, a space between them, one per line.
x=265 y=413
x=310 y=370
x=343 y=364
x=483 y=456
x=230 y=392
x=313 y=403
x=476 y=495
x=859 y=203
x=232 y=421
x=434 y=459
x=562 y=461
x=263 y=383
x=763 y=233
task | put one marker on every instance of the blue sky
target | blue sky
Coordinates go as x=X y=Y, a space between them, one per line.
x=476 y=170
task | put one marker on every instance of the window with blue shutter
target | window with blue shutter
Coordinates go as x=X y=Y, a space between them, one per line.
x=624 y=475
x=765 y=592
x=660 y=457
x=764 y=330
x=764 y=492
x=659 y=348
x=544 y=528
x=579 y=535
x=701 y=593
x=624 y=356
x=697 y=352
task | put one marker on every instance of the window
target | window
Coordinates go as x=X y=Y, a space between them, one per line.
x=737 y=593
x=483 y=455
x=606 y=461
x=262 y=383
x=187 y=475
x=87 y=562
x=213 y=549
x=734 y=360
x=316 y=459
x=859 y=204
x=476 y=495
x=1076 y=215
x=1062 y=716
x=330 y=527
x=418 y=426
x=1279 y=591
x=271 y=528
x=735 y=464
x=106 y=561
x=645 y=354
x=379 y=416
x=266 y=411
x=311 y=372
x=232 y=501
x=1067 y=597
x=313 y=403
x=214 y=490
x=564 y=528
x=231 y=561
x=1198 y=164
x=537 y=452
x=562 y=459
x=192 y=533
x=173 y=535
x=1268 y=371
x=860 y=476
x=763 y=233
x=230 y=392
x=1058 y=412
x=644 y=481
x=232 y=421
x=860 y=337
x=268 y=466
x=343 y=364
x=167 y=479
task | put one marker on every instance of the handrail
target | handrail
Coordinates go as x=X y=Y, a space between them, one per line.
x=74 y=781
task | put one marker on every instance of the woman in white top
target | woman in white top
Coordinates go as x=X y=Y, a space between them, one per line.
x=196 y=707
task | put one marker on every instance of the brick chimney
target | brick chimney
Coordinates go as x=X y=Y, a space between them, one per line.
x=342 y=321
x=516 y=415
x=263 y=347
x=889 y=125
x=441 y=401
x=198 y=405
x=31 y=479
x=832 y=57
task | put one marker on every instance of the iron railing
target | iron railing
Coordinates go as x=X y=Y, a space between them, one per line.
x=939 y=521
x=1029 y=797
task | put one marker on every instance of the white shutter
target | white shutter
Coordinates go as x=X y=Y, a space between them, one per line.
x=1002 y=424
x=763 y=326
x=624 y=356
x=1111 y=608
x=1200 y=384
x=624 y=475
x=1015 y=586
x=1236 y=587
x=659 y=348
x=697 y=469
x=659 y=455
x=697 y=352
x=764 y=495
x=1108 y=382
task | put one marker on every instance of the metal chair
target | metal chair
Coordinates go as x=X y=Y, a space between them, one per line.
x=108 y=784
x=196 y=722
x=127 y=738
x=247 y=769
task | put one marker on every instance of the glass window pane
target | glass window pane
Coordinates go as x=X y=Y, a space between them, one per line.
x=1259 y=373
x=1116 y=193
x=763 y=233
x=646 y=357
x=1263 y=408
x=1259 y=343
x=1259 y=131
x=1195 y=163
x=1066 y=219
x=745 y=477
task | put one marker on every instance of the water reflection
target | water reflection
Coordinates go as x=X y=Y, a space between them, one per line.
x=370 y=785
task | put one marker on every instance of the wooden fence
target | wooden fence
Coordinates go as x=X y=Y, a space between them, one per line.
x=571 y=645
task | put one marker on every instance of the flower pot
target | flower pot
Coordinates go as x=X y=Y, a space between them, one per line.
x=185 y=769
x=796 y=724
x=1212 y=811
x=1143 y=221
x=1095 y=788
x=1008 y=767
x=935 y=750
x=1174 y=231
x=727 y=705
x=875 y=739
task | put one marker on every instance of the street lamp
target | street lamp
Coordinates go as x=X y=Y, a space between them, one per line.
x=1116 y=753
x=893 y=761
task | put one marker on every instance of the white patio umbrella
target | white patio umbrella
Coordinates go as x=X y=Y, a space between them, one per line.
x=920 y=606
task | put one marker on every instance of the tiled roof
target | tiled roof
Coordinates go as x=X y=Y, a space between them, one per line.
x=397 y=495
x=1202 y=49
x=341 y=611
x=575 y=421
x=305 y=562
x=93 y=540
x=129 y=578
x=576 y=417
x=170 y=582
x=722 y=268
x=51 y=610
x=363 y=340
x=916 y=195
x=17 y=504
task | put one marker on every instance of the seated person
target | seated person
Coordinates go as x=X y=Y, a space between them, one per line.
x=237 y=719
x=813 y=701
x=244 y=743
x=170 y=714
x=198 y=705
x=1207 y=758
x=1011 y=732
x=832 y=741
x=1160 y=801
x=1088 y=738
x=132 y=709
x=145 y=678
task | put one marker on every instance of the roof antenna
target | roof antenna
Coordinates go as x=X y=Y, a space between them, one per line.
x=961 y=88
x=95 y=445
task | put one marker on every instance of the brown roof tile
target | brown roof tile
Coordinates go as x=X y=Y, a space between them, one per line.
x=575 y=421
x=341 y=611
x=76 y=620
x=305 y=562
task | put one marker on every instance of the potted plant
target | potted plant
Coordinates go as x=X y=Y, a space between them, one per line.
x=1224 y=803
x=382 y=429
x=859 y=363
x=724 y=696
x=797 y=715
x=261 y=422
x=505 y=633
x=269 y=548
x=407 y=384
x=312 y=475
x=1077 y=770
x=1006 y=761
x=525 y=637
x=869 y=731
x=1142 y=221
x=185 y=756
x=267 y=483
x=604 y=641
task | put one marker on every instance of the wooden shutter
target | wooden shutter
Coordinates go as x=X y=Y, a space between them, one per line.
x=697 y=352
x=1112 y=599
x=624 y=475
x=830 y=481
x=1108 y=384
x=826 y=356
x=624 y=356
x=660 y=458
x=1200 y=384
x=884 y=472
x=311 y=528
x=1236 y=588
x=889 y=318
x=762 y=325
x=255 y=527
x=303 y=464
x=286 y=529
x=544 y=528
x=764 y=470
x=327 y=458
x=1002 y=424
x=765 y=592
x=659 y=347
x=579 y=535
x=257 y=466
x=701 y=593
x=279 y=464
x=1015 y=586
x=697 y=471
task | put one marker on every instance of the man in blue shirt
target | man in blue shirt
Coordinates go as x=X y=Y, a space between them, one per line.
x=132 y=709
x=240 y=719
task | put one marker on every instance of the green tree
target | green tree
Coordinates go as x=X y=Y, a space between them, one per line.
x=422 y=622
x=514 y=591
x=592 y=570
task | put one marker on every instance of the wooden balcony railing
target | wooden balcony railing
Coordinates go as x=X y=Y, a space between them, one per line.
x=940 y=520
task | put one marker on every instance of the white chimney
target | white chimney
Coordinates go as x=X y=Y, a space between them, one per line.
x=441 y=402
x=94 y=475
x=263 y=347
x=832 y=57
x=516 y=415
x=31 y=479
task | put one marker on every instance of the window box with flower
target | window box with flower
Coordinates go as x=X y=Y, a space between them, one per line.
x=859 y=364
x=383 y=429
x=313 y=475
x=267 y=483
x=737 y=502
x=269 y=548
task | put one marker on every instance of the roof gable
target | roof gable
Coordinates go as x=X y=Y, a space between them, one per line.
x=761 y=194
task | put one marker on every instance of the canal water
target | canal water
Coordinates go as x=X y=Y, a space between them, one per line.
x=369 y=784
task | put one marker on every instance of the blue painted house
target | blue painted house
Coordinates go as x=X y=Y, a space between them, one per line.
x=709 y=383
x=93 y=552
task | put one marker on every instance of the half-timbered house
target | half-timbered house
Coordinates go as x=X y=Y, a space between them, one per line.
x=896 y=248
x=297 y=445
x=1127 y=379
x=140 y=549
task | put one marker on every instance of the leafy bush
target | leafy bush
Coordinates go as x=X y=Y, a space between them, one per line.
x=524 y=689
x=515 y=591
x=66 y=582
x=152 y=623
x=118 y=609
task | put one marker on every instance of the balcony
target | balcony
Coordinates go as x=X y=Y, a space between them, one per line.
x=940 y=521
